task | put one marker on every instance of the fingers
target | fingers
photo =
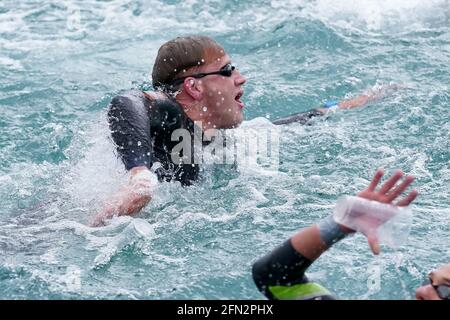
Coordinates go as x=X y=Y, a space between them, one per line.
x=400 y=188
x=376 y=179
x=373 y=243
x=391 y=182
x=410 y=198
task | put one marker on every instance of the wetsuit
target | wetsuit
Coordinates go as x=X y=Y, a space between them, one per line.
x=142 y=128
x=302 y=117
x=280 y=275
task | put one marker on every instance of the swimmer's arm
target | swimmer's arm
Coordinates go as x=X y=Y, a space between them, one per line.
x=281 y=273
x=305 y=117
x=359 y=101
x=313 y=241
x=286 y=265
x=129 y=200
x=365 y=98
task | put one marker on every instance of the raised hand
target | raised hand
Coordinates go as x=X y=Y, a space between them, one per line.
x=388 y=193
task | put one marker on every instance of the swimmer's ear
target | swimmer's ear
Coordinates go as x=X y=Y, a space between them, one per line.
x=194 y=88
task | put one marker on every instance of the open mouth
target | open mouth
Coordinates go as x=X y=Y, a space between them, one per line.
x=238 y=99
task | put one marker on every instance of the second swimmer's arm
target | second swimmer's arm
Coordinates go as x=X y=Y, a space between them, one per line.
x=130 y=199
x=278 y=273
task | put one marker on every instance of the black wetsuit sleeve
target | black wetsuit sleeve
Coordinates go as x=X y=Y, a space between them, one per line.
x=128 y=120
x=301 y=117
x=283 y=267
x=280 y=275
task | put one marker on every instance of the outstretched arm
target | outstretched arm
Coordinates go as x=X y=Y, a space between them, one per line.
x=359 y=101
x=280 y=274
x=130 y=199
x=363 y=99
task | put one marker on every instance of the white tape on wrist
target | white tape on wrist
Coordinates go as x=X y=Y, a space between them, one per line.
x=144 y=182
x=330 y=231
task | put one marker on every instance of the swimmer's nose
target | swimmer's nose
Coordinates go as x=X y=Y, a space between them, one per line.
x=240 y=79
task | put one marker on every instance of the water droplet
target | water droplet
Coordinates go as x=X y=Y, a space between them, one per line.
x=205 y=109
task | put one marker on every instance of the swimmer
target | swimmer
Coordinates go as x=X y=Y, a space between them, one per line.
x=280 y=275
x=438 y=286
x=195 y=81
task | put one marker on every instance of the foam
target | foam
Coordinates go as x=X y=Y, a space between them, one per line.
x=376 y=15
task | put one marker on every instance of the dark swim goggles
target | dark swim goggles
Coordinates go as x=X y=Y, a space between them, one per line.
x=443 y=291
x=225 y=71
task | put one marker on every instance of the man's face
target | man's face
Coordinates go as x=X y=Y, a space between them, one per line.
x=221 y=98
x=440 y=276
x=427 y=293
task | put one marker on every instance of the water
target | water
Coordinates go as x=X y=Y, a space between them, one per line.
x=62 y=61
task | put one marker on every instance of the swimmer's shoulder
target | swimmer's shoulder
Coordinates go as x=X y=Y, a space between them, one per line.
x=134 y=101
x=156 y=106
x=137 y=97
x=128 y=97
x=128 y=106
x=154 y=95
